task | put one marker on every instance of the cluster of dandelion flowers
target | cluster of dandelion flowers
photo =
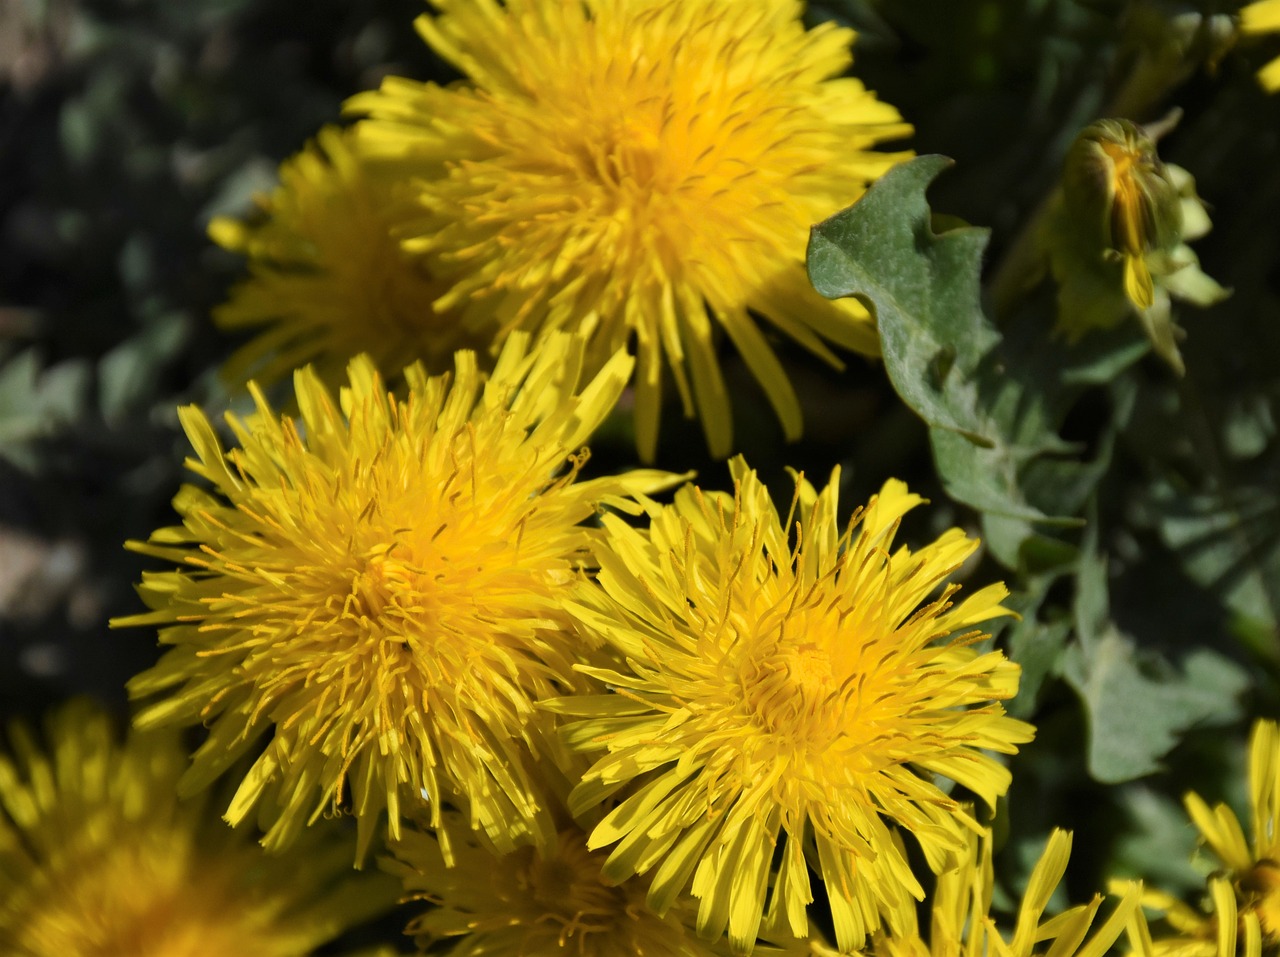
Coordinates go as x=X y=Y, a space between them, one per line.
x=1263 y=16
x=788 y=695
x=328 y=278
x=961 y=921
x=377 y=590
x=1244 y=893
x=531 y=904
x=98 y=856
x=642 y=170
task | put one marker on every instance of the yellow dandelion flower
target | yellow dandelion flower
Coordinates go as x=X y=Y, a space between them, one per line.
x=328 y=277
x=775 y=690
x=526 y=904
x=1243 y=899
x=99 y=856
x=1222 y=930
x=377 y=590
x=642 y=170
x=961 y=924
x=1263 y=16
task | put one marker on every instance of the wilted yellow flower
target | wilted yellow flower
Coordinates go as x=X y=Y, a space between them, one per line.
x=99 y=856
x=527 y=904
x=1263 y=16
x=643 y=169
x=785 y=697
x=1244 y=894
x=328 y=277
x=378 y=589
x=962 y=924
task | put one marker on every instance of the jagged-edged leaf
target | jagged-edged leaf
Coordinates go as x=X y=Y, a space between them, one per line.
x=1139 y=702
x=939 y=347
x=923 y=288
x=994 y=400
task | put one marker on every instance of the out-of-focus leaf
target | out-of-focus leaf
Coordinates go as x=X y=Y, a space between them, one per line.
x=1249 y=427
x=127 y=374
x=35 y=403
x=1139 y=703
x=1157 y=845
x=1230 y=544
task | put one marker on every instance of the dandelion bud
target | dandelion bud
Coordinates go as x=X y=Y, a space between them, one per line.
x=1114 y=183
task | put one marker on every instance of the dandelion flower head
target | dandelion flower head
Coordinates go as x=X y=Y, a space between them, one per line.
x=641 y=170
x=99 y=856
x=962 y=924
x=778 y=687
x=530 y=904
x=1244 y=892
x=328 y=278
x=376 y=589
x=1263 y=16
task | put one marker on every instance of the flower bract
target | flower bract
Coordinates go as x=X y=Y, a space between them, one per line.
x=641 y=170
x=375 y=589
x=99 y=856
x=784 y=701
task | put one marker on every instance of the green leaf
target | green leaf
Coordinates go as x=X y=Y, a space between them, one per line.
x=1036 y=646
x=35 y=403
x=1229 y=543
x=1138 y=700
x=941 y=353
x=923 y=288
x=1157 y=844
x=126 y=374
x=1139 y=703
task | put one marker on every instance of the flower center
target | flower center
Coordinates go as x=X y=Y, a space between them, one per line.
x=791 y=692
x=570 y=891
x=1259 y=891
x=625 y=154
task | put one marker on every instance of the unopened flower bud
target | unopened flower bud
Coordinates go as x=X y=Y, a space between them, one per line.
x=1117 y=189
